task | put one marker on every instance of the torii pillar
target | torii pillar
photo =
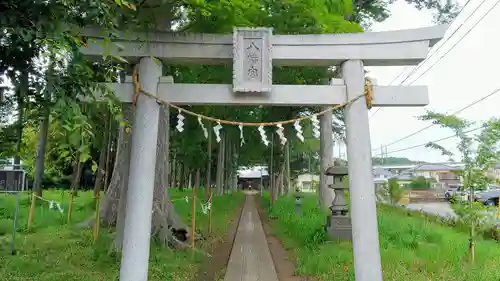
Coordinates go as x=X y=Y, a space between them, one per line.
x=138 y=213
x=365 y=238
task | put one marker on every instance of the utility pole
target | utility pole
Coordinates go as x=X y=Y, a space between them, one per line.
x=382 y=154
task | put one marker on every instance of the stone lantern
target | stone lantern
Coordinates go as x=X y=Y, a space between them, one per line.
x=338 y=224
x=298 y=201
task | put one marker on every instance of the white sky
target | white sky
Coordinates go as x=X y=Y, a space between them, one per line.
x=464 y=75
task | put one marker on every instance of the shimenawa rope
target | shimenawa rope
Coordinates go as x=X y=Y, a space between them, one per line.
x=368 y=94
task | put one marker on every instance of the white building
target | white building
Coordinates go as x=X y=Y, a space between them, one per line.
x=307 y=182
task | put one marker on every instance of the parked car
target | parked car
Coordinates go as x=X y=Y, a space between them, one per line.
x=452 y=190
x=488 y=197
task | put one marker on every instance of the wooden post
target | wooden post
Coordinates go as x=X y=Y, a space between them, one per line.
x=498 y=211
x=193 y=221
x=210 y=212
x=208 y=188
x=70 y=204
x=31 y=213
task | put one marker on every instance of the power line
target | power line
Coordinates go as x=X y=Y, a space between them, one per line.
x=424 y=144
x=454 y=113
x=436 y=50
x=444 y=41
x=460 y=39
x=456 y=43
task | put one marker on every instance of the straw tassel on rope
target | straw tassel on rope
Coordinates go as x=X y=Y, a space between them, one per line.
x=368 y=92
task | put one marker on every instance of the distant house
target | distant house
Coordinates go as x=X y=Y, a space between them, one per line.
x=381 y=177
x=307 y=182
x=444 y=175
x=404 y=179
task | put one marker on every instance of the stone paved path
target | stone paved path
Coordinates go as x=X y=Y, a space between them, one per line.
x=250 y=258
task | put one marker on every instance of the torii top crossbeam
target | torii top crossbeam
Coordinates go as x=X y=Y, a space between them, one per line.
x=387 y=48
x=253 y=52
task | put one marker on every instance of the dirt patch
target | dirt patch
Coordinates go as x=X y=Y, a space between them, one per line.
x=214 y=268
x=285 y=266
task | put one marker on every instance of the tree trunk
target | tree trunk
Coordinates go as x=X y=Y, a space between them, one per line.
x=281 y=180
x=166 y=224
x=101 y=172
x=44 y=128
x=208 y=186
x=223 y=165
x=228 y=165
x=75 y=183
x=173 y=183
x=180 y=176
x=77 y=174
x=109 y=152
x=220 y=166
x=197 y=178
x=235 y=167
x=112 y=205
x=41 y=147
x=275 y=188
x=22 y=91
x=287 y=170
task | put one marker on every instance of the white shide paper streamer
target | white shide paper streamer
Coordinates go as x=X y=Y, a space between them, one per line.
x=298 y=128
x=281 y=134
x=242 y=142
x=315 y=124
x=263 y=135
x=217 y=132
x=180 y=122
x=205 y=131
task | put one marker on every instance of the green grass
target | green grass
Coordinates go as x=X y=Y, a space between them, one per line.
x=55 y=251
x=412 y=247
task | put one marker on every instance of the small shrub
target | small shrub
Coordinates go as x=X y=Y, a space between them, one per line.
x=420 y=183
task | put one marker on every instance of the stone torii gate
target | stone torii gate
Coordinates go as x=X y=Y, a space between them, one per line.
x=253 y=52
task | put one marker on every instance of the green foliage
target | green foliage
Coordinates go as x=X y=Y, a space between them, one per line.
x=413 y=247
x=444 y=12
x=396 y=192
x=478 y=163
x=58 y=252
x=420 y=183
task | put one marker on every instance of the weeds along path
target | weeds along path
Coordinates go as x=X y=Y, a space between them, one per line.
x=214 y=268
